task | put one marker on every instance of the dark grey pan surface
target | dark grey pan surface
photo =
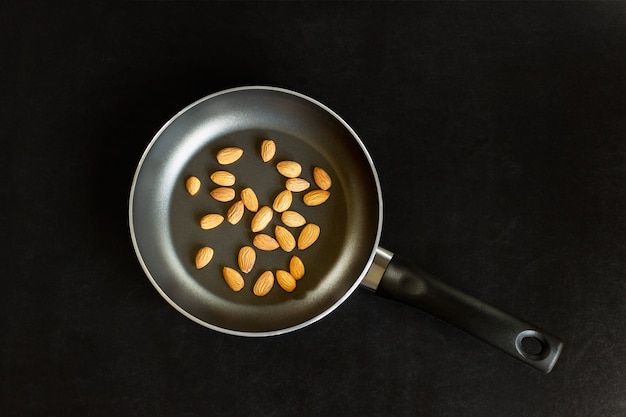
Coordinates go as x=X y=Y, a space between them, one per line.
x=164 y=218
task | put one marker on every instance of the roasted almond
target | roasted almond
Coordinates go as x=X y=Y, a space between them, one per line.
x=315 y=197
x=263 y=284
x=284 y=238
x=246 y=259
x=292 y=218
x=289 y=169
x=193 y=185
x=235 y=212
x=308 y=236
x=265 y=242
x=249 y=199
x=261 y=219
x=233 y=278
x=223 y=178
x=211 y=221
x=268 y=149
x=203 y=257
x=285 y=280
x=282 y=201
x=223 y=194
x=321 y=178
x=229 y=155
x=296 y=267
x=297 y=184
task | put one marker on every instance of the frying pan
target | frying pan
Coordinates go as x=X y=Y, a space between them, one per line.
x=164 y=225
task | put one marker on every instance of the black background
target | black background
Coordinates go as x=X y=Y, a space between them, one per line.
x=499 y=133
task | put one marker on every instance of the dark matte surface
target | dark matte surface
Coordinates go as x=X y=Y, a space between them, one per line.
x=499 y=133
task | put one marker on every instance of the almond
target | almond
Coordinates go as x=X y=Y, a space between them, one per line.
x=268 y=149
x=285 y=280
x=289 y=169
x=223 y=178
x=193 y=185
x=297 y=184
x=261 y=219
x=229 y=155
x=203 y=257
x=264 y=284
x=265 y=242
x=308 y=236
x=292 y=218
x=282 y=201
x=233 y=278
x=211 y=221
x=296 y=267
x=321 y=178
x=249 y=199
x=284 y=238
x=223 y=194
x=246 y=259
x=235 y=212
x=315 y=197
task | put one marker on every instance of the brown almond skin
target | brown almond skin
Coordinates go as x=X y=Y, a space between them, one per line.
x=265 y=242
x=229 y=155
x=233 y=278
x=249 y=199
x=316 y=197
x=296 y=185
x=193 y=185
x=235 y=212
x=223 y=194
x=211 y=221
x=261 y=219
x=285 y=280
x=263 y=284
x=296 y=267
x=292 y=218
x=203 y=257
x=308 y=236
x=268 y=149
x=321 y=178
x=246 y=259
x=289 y=169
x=284 y=238
x=223 y=178
x=282 y=201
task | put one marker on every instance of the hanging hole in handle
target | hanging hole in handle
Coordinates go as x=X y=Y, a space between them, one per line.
x=532 y=345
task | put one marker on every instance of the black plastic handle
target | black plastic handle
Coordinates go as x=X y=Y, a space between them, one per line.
x=526 y=342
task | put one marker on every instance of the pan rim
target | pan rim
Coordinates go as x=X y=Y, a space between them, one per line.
x=309 y=321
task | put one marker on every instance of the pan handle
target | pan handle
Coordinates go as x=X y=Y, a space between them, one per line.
x=396 y=279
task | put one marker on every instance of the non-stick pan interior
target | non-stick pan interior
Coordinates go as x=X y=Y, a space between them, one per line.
x=164 y=217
